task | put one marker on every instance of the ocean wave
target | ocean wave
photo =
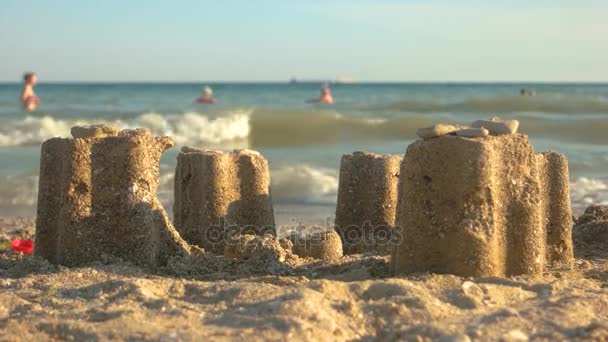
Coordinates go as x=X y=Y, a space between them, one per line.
x=548 y=103
x=235 y=129
x=295 y=184
x=573 y=130
x=298 y=128
x=279 y=129
x=325 y=127
x=186 y=128
x=304 y=184
x=586 y=191
x=194 y=128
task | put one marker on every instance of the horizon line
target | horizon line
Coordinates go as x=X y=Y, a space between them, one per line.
x=288 y=82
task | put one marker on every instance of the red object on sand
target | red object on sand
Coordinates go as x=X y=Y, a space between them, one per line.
x=23 y=246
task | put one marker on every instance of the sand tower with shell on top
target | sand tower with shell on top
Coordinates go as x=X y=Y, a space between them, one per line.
x=482 y=203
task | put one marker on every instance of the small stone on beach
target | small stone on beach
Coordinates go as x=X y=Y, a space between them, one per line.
x=473 y=132
x=514 y=336
x=436 y=131
x=497 y=126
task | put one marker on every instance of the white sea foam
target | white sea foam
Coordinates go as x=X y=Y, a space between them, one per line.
x=304 y=184
x=32 y=130
x=194 y=128
x=186 y=128
x=586 y=191
x=298 y=184
x=238 y=128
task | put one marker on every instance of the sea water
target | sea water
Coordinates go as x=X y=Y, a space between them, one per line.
x=302 y=141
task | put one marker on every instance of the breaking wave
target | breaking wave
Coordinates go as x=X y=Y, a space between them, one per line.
x=268 y=128
x=304 y=184
x=186 y=128
x=235 y=129
x=587 y=191
x=296 y=184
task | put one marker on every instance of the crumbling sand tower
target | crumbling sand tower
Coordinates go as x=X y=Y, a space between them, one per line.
x=97 y=196
x=367 y=198
x=218 y=194
x=482 y=207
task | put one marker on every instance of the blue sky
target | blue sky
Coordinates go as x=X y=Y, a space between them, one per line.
x=232 y=40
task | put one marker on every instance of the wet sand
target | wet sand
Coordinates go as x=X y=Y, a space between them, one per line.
x=351 y=299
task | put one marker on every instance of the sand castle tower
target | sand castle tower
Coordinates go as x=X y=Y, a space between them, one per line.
x=486 y=206
x=97 y=196
x=367 y=198
x=218 y=194
x=320 y=245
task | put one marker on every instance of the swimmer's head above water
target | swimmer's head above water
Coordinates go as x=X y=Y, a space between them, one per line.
x=30 y=78
x=326 y=94
x=206 y=96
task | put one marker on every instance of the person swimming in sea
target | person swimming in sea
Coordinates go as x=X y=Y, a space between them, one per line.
x=525 y=92
x=325 y=95
x=207 y=96
x=28 y=97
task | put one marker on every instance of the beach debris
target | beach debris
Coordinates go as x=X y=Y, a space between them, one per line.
x=97 y=198
x=367 y=200
x=497 y=126
x=501 y=208
x=472 y=132
x=218 y=194
x=437 y=130
x=321 y=245
x=23 y=246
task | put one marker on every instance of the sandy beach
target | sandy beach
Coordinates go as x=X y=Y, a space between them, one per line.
x=272 y=170
x=109 y=264
x=354 y=298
